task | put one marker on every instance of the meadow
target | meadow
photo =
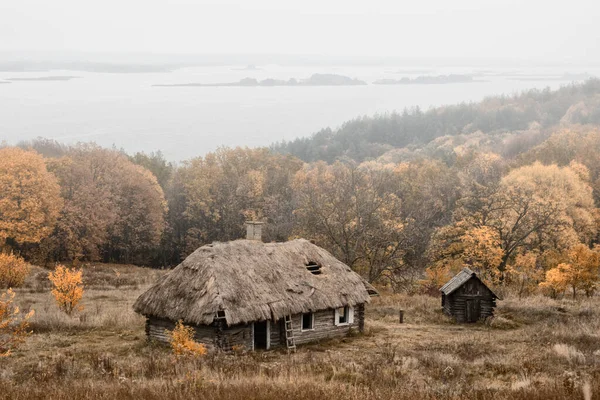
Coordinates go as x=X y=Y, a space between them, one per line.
x=535 y=348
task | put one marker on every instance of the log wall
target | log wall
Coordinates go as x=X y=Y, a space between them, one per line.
x=209 y=335
x=455 y=304
x=220 y=336
x=323 y=328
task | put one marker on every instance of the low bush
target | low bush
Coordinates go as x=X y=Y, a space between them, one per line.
x=13 y=271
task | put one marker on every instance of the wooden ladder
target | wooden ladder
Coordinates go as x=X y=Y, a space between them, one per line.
x=289 y=334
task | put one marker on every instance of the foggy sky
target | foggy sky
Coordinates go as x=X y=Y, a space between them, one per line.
x=525 y=29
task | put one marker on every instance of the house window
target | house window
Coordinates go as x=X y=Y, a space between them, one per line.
x=308 y=321
x=344 y=315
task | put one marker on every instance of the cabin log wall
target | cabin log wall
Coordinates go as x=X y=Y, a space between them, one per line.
x=455 y=304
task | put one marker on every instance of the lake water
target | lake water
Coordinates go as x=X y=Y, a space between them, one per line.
x=125 y=110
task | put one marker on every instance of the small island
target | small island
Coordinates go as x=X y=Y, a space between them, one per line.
x=45 y=78
x=412 y=71
x=249 y=67
x=427 y=80
x=314 y=80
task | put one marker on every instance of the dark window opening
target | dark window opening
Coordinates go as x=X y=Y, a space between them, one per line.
x=307 y=321
x=343 y=315
x=313 y=267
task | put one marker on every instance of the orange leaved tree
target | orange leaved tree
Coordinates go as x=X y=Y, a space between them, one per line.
x=29 y=197
x=580 y=272
x=68 y=288
x=435 y=277
x=182 y=341
x=13 y=270
x=13 y=325
x=523 y=274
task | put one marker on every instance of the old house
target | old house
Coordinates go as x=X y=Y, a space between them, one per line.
x=466 y=298
x=257 y=295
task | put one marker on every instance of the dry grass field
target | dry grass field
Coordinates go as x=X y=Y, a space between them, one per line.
x=536 y=348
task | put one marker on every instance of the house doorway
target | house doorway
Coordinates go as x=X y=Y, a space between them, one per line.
x=472 y=310
x=261 y=335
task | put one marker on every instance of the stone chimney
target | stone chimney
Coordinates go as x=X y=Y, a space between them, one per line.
x=254 y=230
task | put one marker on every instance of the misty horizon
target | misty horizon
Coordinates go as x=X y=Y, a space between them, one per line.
x=465 y=29
x=228 y=59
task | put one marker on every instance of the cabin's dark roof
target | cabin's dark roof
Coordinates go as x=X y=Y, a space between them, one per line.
x=460 y=279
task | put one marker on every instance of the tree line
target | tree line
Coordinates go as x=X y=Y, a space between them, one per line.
x=371 y=137
x=527 y=219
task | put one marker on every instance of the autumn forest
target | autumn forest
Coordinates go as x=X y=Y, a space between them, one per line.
x=509 y=186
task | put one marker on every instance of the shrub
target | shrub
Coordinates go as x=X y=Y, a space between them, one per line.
x=68 y=288
x=182 y=341
x=13 y=325
x=13 y=270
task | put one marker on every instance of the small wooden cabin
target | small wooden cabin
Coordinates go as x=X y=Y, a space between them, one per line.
x=256 y=295
x=466 y=298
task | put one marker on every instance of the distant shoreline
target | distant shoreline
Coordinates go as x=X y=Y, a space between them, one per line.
x=45 y=78
x=427 y=80
x=314 y=80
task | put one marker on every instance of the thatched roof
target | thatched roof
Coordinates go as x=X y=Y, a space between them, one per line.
x=460 y=279
x=250 y=281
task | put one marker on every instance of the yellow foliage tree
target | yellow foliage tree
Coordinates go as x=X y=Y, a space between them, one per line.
x=556 y=280
x=13 y=270
x=435 y=277
x=534 y=207
x=456 y=246
x=524 y=273
x=29 y=197
x=482 y=252
x=214 y=194
x=68 y=288
x=579 y=273
x=182 y=341
x=543 y=206
x=13 y=325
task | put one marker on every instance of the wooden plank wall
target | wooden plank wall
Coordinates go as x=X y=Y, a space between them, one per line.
x=240 y=335
x=324 y=327
x=156 y=329
x=277 y=333
x=455 y=304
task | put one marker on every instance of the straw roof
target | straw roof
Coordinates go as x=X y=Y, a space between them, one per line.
x=250 y=281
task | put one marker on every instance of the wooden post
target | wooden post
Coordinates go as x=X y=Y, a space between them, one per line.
x=361 y=318
x=401 y=316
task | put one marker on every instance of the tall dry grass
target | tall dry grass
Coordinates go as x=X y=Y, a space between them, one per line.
x=537 y=348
